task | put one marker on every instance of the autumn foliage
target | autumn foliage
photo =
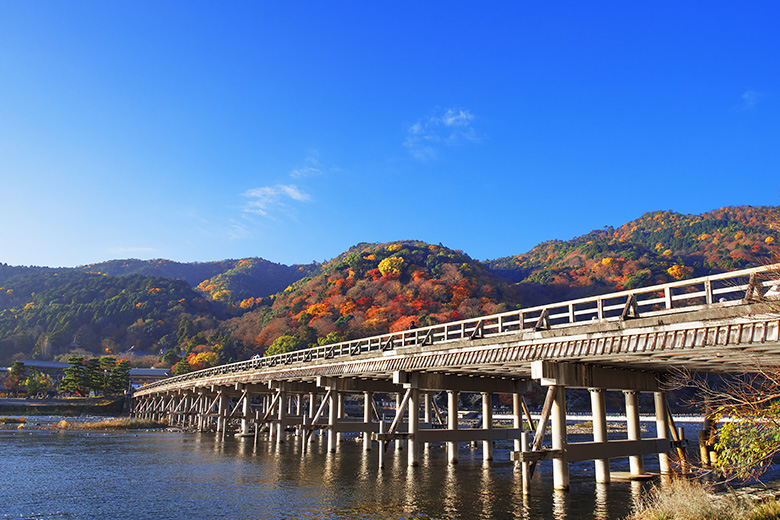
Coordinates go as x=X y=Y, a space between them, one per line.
x=377 y=288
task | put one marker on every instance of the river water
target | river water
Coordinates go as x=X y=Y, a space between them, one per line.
x=48 y=474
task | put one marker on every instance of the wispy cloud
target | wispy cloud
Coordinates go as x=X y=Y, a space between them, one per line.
x=268 y=199
x=750 y=99
x=312 y=166
x=451 y=127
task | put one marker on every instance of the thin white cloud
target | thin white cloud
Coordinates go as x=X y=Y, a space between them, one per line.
x=311 y=167
x=750 y=99
x=451 y=127
x=268 y=199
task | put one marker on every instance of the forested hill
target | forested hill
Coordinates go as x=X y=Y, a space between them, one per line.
x=216 y=312
x=46 y=313
x=656 y=248
x=375 y=288
x=229 y=281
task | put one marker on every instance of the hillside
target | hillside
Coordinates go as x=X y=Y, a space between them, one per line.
x=209 y=313
x=46 y=313
x=375 y=288
x=656 y=248
x=230 y=281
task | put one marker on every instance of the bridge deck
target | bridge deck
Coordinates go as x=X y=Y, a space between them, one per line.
x=723 y=323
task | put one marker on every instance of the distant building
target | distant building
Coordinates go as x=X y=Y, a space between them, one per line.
x=138 y=376
x=53 y=369
x=142 y=376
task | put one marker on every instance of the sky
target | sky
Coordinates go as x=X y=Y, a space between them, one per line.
x=291 y=131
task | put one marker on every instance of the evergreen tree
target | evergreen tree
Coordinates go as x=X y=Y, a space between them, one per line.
x=182 y=367
x=75 y=380
x=94 y=375
x=119 y=379
x=16 y=377
x=107 y=366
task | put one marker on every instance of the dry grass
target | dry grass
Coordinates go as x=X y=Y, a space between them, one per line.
x=115 y=424
x=769 y=510
x=13 y=420
x=686 y=500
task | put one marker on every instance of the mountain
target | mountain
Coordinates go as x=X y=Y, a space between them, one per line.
x=46 y=313
x=215 y=312
x=229 y=281
x=375 y=288
x=658 y=247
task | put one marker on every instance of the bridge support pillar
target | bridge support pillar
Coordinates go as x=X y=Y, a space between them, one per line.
x=414 y=428
x=367 y=400
x=222 y=412
x=525 y=447
x=332 y=420
x=559 y=441
x=399 y=444
x=340 y=414
x=246 y=410
x=662 y=429
x=634 y=431
x=452 y=424
x=487 y=423
x=598 y=407
x=281 y=414
x=517 y=418
x=201 y=411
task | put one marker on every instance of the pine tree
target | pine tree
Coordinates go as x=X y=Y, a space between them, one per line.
x=107 y=365
x=75 y=380
x=119 y=379
x=94 y=375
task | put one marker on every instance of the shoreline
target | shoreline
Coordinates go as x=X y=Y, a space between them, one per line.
x=101 y=406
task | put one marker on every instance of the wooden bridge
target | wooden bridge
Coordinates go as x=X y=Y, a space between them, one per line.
x=629 y=341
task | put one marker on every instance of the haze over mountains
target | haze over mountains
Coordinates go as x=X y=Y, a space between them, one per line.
x=200 y=314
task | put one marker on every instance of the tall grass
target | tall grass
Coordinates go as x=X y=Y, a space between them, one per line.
x=687 y=500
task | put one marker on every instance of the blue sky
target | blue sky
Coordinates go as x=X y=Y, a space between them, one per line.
x=198 y=131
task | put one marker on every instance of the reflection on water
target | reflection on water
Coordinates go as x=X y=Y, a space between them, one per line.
x=601 y=511
x=159 y=475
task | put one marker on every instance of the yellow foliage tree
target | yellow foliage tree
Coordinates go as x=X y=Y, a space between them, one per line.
x=391 y=266
x=209 y=359
x=680 y=271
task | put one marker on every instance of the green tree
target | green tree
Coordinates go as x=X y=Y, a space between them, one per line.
x=747 y=443
x=94 y=375
x=107 y=365
x=119 y=379
x=282 y=345
x=75 y=379
x=182 y=367
x=169 y=357
x=16 y=377
x=38 y=383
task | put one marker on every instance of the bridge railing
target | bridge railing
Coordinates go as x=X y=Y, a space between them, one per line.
x=681 y=296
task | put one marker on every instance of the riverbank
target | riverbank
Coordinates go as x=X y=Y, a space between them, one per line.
x=692 y=500
x=69 y=407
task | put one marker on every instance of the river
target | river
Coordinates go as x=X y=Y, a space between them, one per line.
x=48 y=474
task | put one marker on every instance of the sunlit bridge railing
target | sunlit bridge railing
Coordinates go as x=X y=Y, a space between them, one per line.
x=685 y=295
